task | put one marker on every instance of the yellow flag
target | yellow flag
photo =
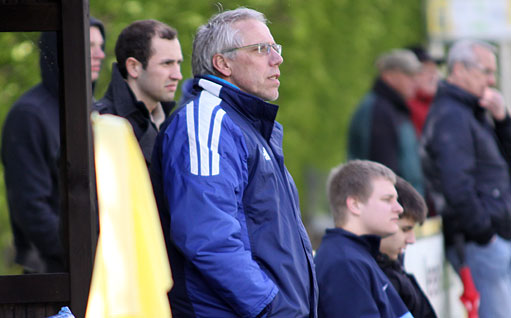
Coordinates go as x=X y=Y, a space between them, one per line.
x=131 y=275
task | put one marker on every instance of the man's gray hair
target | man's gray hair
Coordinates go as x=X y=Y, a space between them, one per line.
x=462 y=51
x=217 y=35
x=399 y=60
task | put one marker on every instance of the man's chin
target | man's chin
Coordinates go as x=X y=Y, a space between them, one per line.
x=272 y=97
x=168 y=99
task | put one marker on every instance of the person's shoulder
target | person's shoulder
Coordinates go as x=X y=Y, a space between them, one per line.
x=35 y=103
x=340 y=248
x=104 y=106
x=202 y=123
x=450 y=110
x=367 y=102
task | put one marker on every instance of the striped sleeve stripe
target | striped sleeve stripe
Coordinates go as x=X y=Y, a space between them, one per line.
x=217 y=126
x=204 y=134
x=211 y=87
x=206 y=105
x=190 y=124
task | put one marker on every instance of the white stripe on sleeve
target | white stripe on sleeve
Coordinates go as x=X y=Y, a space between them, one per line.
x=192 y=143
x=200 y=160
x=217 y=126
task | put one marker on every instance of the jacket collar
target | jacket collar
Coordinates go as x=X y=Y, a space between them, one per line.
x=371 y=243
x=384 y=261
x=383 y=89
x=124 y=99
x=462 y=96
x=260 y=113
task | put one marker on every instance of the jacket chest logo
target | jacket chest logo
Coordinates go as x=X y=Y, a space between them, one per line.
x=266 y=155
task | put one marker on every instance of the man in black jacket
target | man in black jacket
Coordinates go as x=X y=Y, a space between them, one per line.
x=144 y=79
x=392 y=250
x=381 y=128
x=31 y=154
x=467 y=157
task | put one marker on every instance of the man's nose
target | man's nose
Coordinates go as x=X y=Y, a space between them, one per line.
x=176 y=74
x=275 y=58
x=398 y=208
x=410 y=239
x=98 y=53
x=491 y=80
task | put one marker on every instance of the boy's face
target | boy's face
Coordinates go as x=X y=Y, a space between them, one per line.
x=395 y=244
x=380 y=214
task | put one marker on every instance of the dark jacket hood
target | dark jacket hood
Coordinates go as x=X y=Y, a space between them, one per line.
x=49 y=58
x=49 y=62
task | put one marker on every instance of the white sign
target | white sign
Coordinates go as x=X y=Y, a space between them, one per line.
x=455 y=19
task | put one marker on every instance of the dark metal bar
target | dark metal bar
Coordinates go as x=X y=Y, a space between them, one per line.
x=40 y=288
x=77 y=149
x=29 y=17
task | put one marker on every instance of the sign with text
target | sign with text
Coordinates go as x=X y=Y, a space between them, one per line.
x=483 y=19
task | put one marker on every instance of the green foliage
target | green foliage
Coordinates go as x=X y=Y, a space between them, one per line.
x=329 y=47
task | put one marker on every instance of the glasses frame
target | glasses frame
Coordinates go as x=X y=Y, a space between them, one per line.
x=480 y=68
x=261 y=47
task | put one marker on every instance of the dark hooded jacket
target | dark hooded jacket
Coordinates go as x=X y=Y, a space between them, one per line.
x=121 y=101
x=30 y=154
x=407 y=287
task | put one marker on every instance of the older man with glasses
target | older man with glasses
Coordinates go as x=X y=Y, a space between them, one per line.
x=229 y=207
x=467 y=161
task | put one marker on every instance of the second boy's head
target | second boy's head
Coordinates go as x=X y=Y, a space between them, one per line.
x=414 y=211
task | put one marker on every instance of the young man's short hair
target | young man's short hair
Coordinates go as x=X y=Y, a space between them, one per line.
x=413 y=203
x=353 y=179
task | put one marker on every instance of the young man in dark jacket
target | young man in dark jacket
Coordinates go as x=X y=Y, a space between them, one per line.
x=392 y=250
x=228 y=205
x=31 y=154
x=467 y=161
x=144 y=79
x=363 y=201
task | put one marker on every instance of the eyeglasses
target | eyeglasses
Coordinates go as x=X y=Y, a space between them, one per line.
x=484 y=70
x=262 y=48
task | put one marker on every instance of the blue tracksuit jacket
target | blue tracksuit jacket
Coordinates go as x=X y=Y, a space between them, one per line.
x=230 y=210
x=351 y=284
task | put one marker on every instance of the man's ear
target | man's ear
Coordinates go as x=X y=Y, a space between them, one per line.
x=222 y=65
x=353 y=205
x=133 y=67
x=459 y=68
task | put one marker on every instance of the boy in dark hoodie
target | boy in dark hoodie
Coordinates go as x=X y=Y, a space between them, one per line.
x=392 y=248
x=30 y=155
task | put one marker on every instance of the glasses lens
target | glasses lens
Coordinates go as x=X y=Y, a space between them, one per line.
x=277 y=48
